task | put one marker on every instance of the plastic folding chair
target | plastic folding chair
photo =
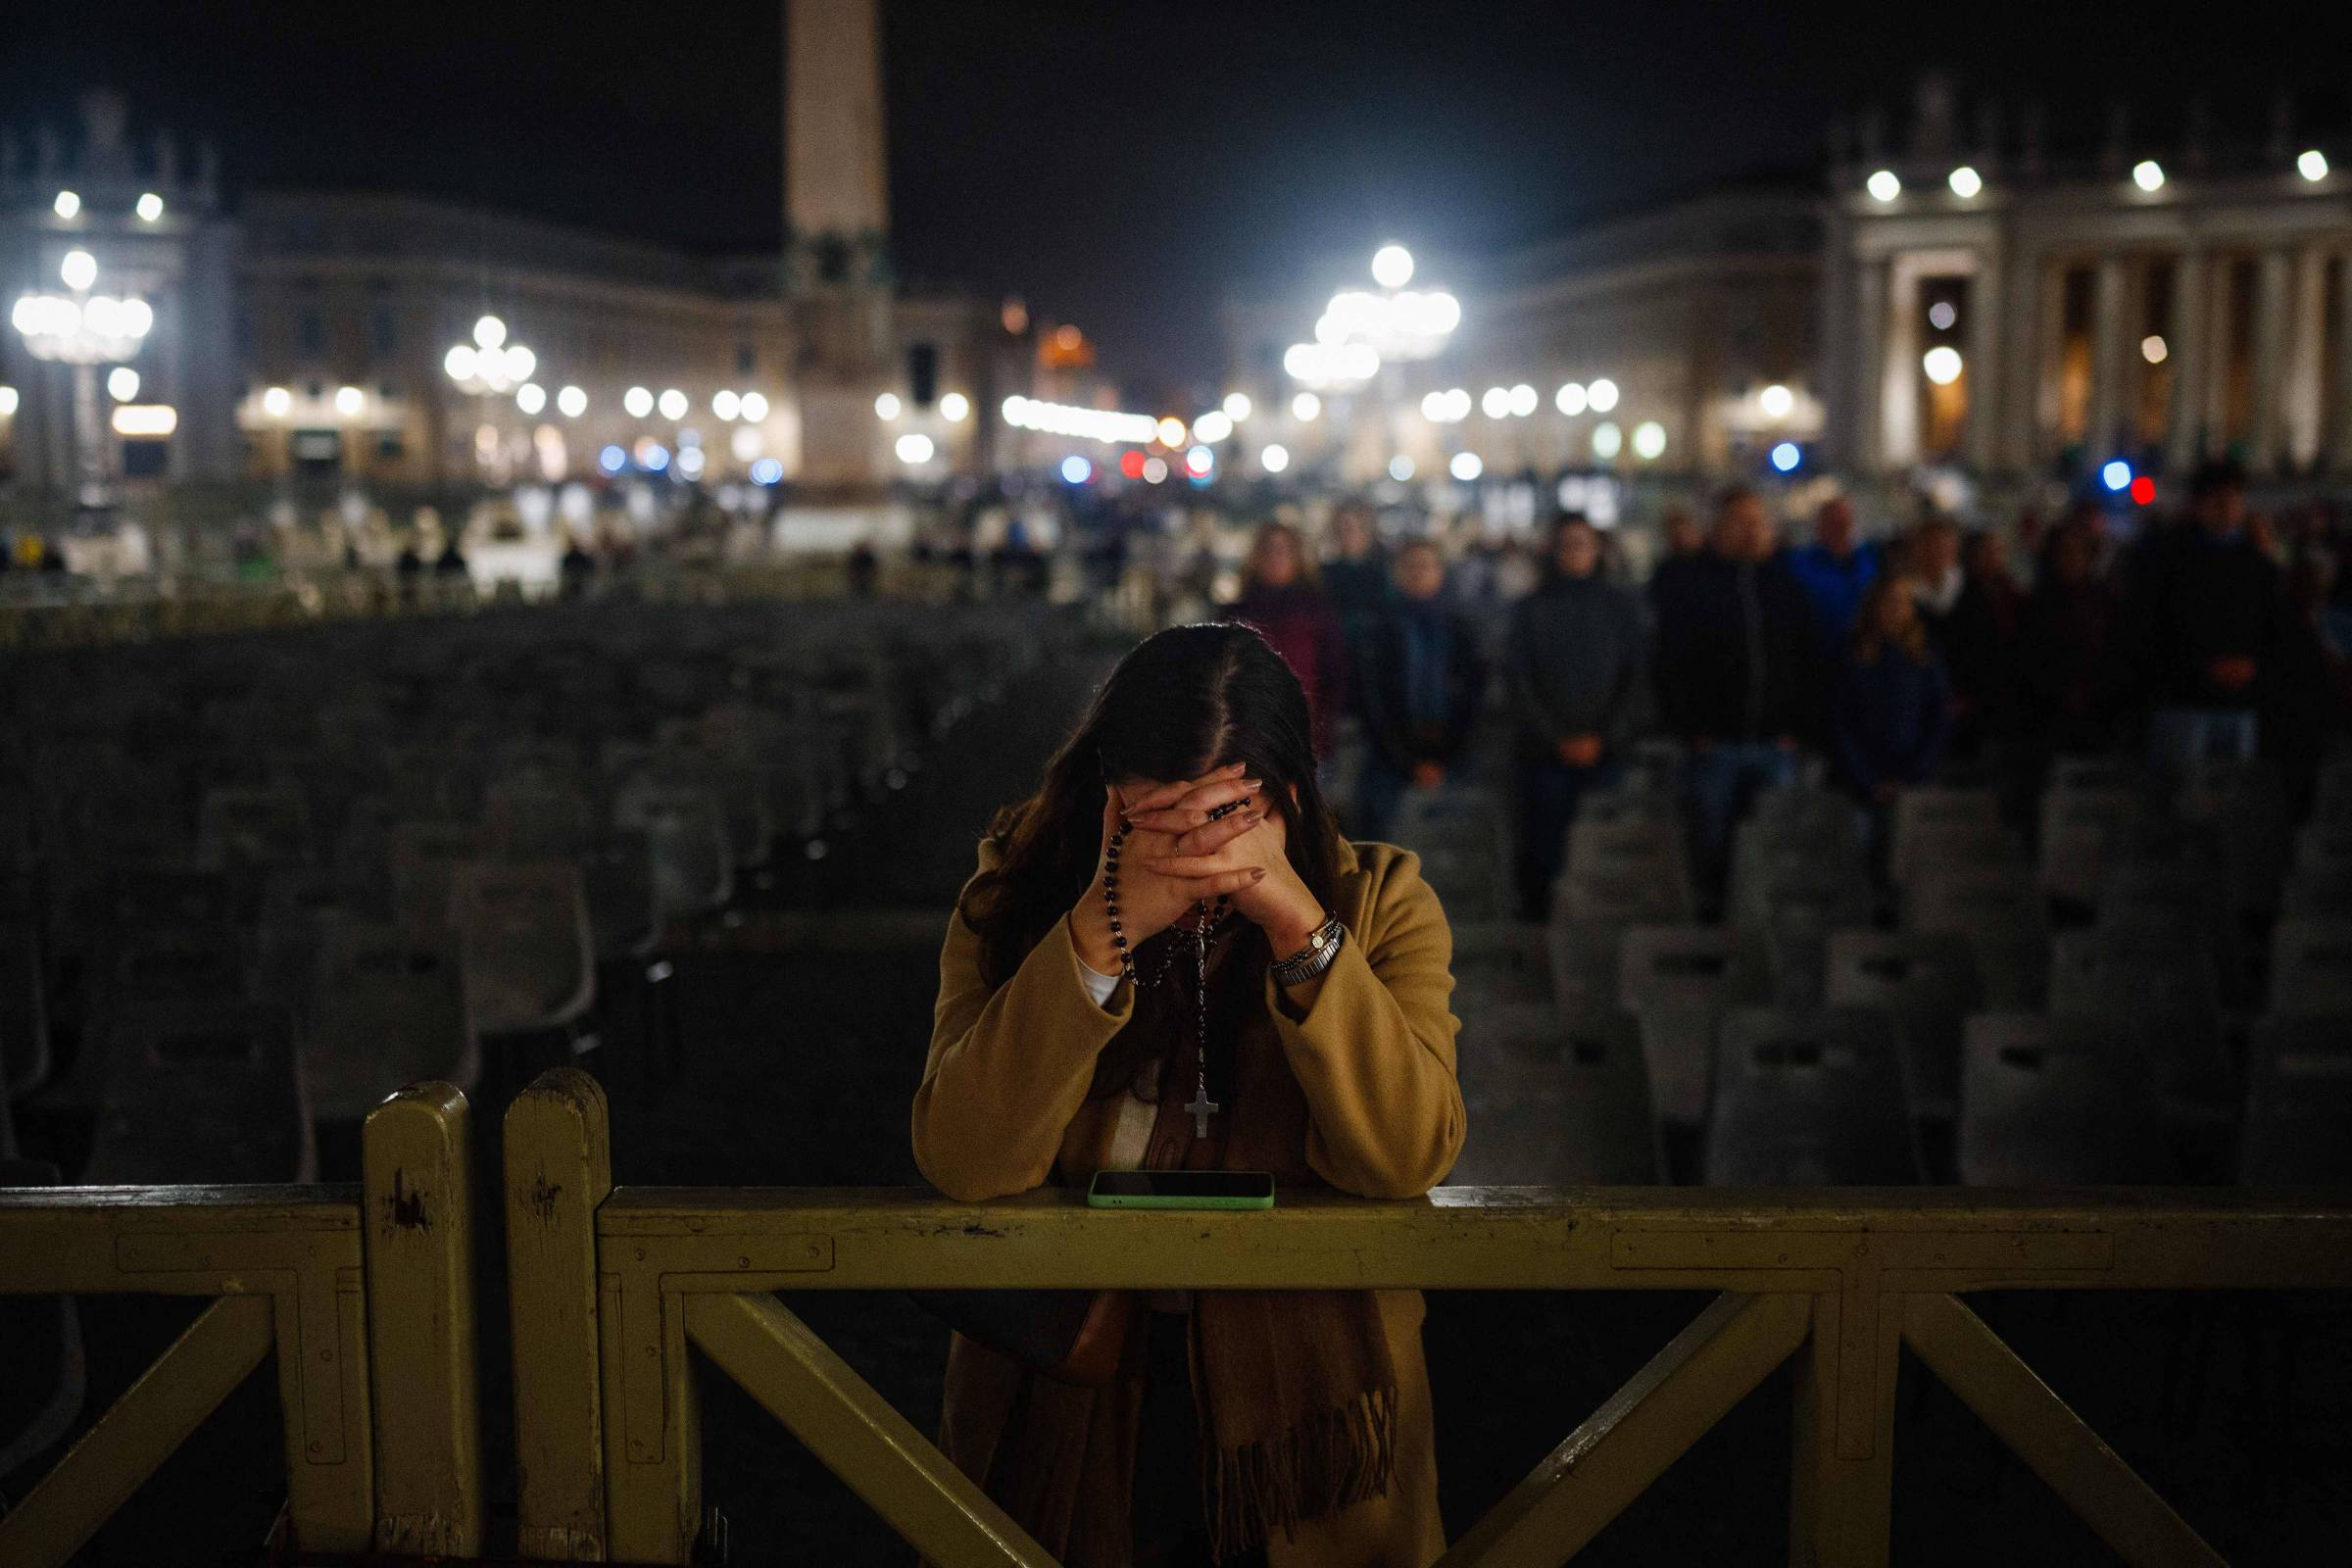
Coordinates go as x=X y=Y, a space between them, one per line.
x=423 y=859
x=202 y=1090
x=1812 y=1098
x=1999 y=910
x=617 y=871
x=1633 y=871
x=2311 y=966
x=1459 y=836
x=2170 y=990
x=2057 y=1099
x=536 y=817
x=25 y=1061
x=1926 y=982
x=1554 y=1102
x=1499 y=964
x=2086 y=835
x=238 y=826
x=384 y=1011
x=2298 y=1101
x=523 y=939
x=686 y=831
x=1678 y=981
x=1957 y=812
x=1935 y=847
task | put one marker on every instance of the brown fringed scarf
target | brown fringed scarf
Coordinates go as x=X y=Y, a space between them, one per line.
x=1296 y=1391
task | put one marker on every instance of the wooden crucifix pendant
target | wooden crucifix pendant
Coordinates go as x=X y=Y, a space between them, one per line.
x=1200 y=1109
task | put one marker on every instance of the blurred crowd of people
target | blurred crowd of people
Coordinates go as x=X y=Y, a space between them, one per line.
x=2218 y=634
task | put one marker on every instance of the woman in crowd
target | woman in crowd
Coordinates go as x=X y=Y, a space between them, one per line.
x=1890 y=716
x=2068 y=675
x=1281 y=598
x=1169 y=959
x=1420 y=678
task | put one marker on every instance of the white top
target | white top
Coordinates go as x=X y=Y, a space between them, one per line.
x=1133 y=1133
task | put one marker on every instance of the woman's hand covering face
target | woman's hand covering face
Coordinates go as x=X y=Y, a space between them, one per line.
x=1172 y=819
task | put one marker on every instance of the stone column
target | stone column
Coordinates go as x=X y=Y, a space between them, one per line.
x=2106 y=362
x=1868 y=444
x=1898 y=368
x=1987 y=363
x=2272 y=285
x=2339 y=445
x=2301 y=385
x=2031 y=338
x=2184 y=336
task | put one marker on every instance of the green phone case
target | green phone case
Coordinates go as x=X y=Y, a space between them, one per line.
x=1095 y=1199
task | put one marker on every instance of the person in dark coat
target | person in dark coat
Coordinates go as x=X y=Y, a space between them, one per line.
x=1980 y=645
x=1281 y=598
x=1890 y=716
x=1572 y=664
x=1356 y=579
x=2205 y=621
x=1420 y=678
x=1737 y=671
x=2066 y=686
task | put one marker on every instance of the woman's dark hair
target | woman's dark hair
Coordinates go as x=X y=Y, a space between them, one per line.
x=1183 y=702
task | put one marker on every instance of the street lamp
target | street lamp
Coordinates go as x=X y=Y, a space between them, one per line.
x=84 y=330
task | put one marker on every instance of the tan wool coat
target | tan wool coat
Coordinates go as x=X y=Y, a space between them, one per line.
x=1002 y=1108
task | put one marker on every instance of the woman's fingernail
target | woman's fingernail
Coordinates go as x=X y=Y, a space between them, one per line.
x=1257 y=873
x=1253 y=783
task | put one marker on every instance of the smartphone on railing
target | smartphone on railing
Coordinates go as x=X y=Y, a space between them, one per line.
x=1181 y=1189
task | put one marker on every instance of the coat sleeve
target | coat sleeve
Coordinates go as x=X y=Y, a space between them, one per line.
x=1374 y=1051
x=1009 y=1069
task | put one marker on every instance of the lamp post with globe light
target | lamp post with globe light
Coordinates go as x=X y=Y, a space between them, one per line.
x=86 y=329
x=1364 y=334
x=490 y=367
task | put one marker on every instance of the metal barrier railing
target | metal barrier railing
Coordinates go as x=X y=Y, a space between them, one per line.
x=608 y=1288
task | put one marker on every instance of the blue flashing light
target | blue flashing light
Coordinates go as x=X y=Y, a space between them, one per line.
x=1786 y=457
x=768 y=470
x=613 y=459
x=657 y=458
x=2117 y=476
x=1075 y=469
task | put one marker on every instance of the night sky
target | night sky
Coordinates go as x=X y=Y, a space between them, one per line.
x=1122 y=165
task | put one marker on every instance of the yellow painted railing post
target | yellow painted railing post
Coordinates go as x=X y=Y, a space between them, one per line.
x=1842 y=1469
x=558 y=1159
x=416 y=1219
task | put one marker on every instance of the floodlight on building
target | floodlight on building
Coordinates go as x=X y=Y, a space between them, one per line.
x=1965 y=181
x=914 y=446
x=1884 y=186
x=150 y=206
x=754 y=407
x=150 y=421
x=954 y=408
x=1306 y=408
x=672 y=404
x=121 y=383
x=530 y=397
x=1786 y=457
x=690 y=462
x=1649 y=440
x=887 y=405
x=1434 y=406
x=78 y=269
x=1465 y=466
x=1571 y=398
x=1776 y=401
x=1607 y=440
x=1496 y=403
x=1401 y=467
x=1154 y=470
x=1942 y=364
x=1942 y=314
x=1214 y=426
x=489 y=332
x=275 y=401
x=8 y=402
x=2154 y=349
x=1602 y=395
x=66 y=205
x=2312 y=165
x=1075 y=469
x=725 y=403
x=1274 y=458
x=638 y=402
x=1169 y=432
x=2148 y=174
x=461 y=362
x=349 y=400
x=1392 y=267
x=572 y=402
x=1330 y=365
x=1237 y=405
x=2116 y=474
x=1522 y=400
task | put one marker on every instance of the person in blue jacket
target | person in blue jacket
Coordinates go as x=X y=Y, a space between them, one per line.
x=1890 y=715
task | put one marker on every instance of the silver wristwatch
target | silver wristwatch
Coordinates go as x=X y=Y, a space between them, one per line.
x=1313 y=958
